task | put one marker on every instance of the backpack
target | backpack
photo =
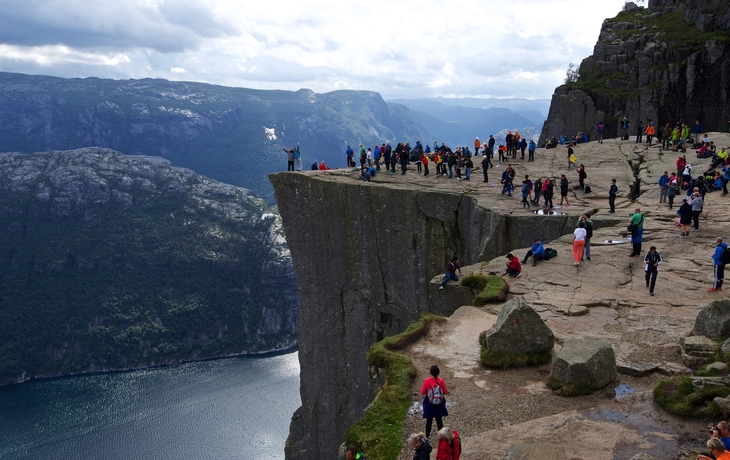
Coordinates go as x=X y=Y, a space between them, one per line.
x=435 y=393
x=588 y=189
x=589 y=231
x=550 y=253
x=725 y=257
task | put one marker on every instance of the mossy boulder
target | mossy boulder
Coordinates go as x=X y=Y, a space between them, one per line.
x=714 y=320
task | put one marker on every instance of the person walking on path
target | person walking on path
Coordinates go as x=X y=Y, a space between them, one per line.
x=451 y=268
x=612 y=192
x=636 y=221
x=525 y=192
x=434 y=402
x=663 y=183
x=564 y=184
x=579 y=241
x=718 y=264
x=696 y=204
x=652 y=259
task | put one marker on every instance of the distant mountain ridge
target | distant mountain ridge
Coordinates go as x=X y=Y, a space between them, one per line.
x=110 y=261
x=458 y=125
x=233 y=135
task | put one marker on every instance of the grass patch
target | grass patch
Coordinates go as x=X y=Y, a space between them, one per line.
x=501 y=359
x=378 y=433
x=494 y=289
x=478 y=282
x=680 y=397
x=562 y=389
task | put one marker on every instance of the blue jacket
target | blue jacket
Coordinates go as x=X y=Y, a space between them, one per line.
x=726 y=170
x=538 y=248
x=663 y=180
x=722 y=247
x=698 y=129
x=532 y=146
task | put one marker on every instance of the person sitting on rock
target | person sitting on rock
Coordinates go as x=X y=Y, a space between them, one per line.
x=451 y=268
x=365 y=174
x=717 y=449
x=536 y=251
x=514 y=268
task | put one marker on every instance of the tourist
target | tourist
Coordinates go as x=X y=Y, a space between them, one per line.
x=599 y=130
x=663 y=186
x=719 y=265
x=697 y=130
x=586 y=219
x=349 y=156
x=652 y=261
x=477 y=145
x=681 y=163
x=696 y=203
x=468 y=166
x=297 y=158
x=579 y=241
x=324 y=167
x=420 y=443
x=571 y=158
x=351 y=453
x=538 y=190
x=564 y=184
x=548 y=192
x=685 y=217
x=725 y=178
x=514 y=268
x=612 y=192
x=666 y=137
x=624 y=129
x=685 y=136
x=687 y=173
x=507 y=181
x=290 y=158
x=717 y=449
x=460 y=161
x=486 y=164
x=424 y=160
x=369 y=156
x=672 y=190
x=722 y=431
x=376 y=157
x=403 y=158
x=649 y=132
x=582 y=176
x=449 y=446
x=451 y=268
x=363 y=156
x=636 y=221
x=434 y=402
x=490 y=146
x=525 y=193
x=536 y=251
x=531 y=147
x=676 y=139
x=523 y=146
x=639 y=131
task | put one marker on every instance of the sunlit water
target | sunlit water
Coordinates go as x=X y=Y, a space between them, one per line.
x=236 y=408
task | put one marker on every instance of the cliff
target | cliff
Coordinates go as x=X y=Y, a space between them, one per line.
x=233 y=135
x=666 y=63
x=364 y=254
x=114 y=262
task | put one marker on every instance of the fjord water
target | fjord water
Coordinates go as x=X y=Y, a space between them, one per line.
x=237 y=408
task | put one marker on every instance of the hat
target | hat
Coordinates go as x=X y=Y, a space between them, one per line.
x=684 y=199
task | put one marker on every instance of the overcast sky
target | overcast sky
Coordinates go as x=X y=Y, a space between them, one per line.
x=400 y=48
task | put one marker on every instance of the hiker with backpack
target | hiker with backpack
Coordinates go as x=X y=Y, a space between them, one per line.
x=434 y=403
x=720 y=258
x=449 y=446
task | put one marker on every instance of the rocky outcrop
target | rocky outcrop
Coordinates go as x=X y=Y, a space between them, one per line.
x=714 y=320
x=666 y=63
x=364 y=254
x=112 y=262
x=519 y=330
x=697 y=350
x=585 y=362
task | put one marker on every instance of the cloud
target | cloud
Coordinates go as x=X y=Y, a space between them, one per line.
x=406 y=48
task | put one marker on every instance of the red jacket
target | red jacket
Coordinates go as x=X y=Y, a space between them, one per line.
x=448 y=451
x=515 y=264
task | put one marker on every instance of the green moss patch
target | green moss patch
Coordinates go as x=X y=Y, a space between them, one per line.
x=378 y=433
x=562 y=389
x=501 y=359
x=492 y=288
x=680 y=397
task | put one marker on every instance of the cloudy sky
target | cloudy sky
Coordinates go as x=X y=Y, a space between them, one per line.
x=400 y=48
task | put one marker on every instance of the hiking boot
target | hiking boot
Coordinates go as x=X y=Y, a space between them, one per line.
x=534 y=263
x=712 y=289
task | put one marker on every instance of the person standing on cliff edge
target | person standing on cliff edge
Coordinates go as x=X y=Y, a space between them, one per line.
x=451 y=268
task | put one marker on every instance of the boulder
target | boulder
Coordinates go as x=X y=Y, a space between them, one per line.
x=723 y=404
x=643 y=457
x=721 y=367
x=538 y=451
x=519 y=330
x=584 y=363
x=697 y=350
x=714 y=320
x=725 y=347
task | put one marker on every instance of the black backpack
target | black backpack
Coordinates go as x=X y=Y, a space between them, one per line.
x=725 y=257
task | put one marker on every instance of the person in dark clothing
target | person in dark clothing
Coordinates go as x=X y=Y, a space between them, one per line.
x=403 y=162
x=652 y=261
x=612 y=192
x=549 y=193
x=582 y=176
x=451 y=268
x=637 y=234
x=538 y=191
x=386 y=154
x=490 y=146
x=290 y=158
x=639 y=132
x=486 y=164
x=420 y=443
x=351 y=453
x=718 y=265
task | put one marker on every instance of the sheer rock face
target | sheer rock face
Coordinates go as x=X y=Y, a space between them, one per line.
x=663 y=63
x=112 y=262
x=363 y=254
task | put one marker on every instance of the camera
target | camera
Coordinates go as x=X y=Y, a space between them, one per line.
x=713 y=429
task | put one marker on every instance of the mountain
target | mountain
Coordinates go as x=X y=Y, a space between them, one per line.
x=234 y=135
x=667 y=63
x=458 y=125
x=111 y=262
